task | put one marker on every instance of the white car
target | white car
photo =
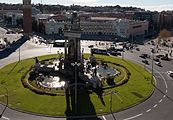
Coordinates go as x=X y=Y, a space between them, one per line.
x=170 y=73
x=158 y=63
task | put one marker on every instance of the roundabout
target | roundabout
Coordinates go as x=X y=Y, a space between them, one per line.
x=136 y=90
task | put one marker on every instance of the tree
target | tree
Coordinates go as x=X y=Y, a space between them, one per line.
x=165 y=34
x=34 y=25
x=41 y=28
x=19 y=22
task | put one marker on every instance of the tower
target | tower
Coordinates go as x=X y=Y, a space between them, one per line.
x=27 y=18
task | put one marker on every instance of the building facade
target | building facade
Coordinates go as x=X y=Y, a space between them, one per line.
x=131 y=28
x=53 y=27
x=166 y=20
x=99 y=25
x=151 y=17
x=103 y=26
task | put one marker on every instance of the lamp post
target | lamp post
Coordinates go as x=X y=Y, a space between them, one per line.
x=75 y=64
x=6 y=101
x=152 y=67
x=111 y=104
x=132 y=40
x=111 y=101
x=19 y=53
x=123 y=47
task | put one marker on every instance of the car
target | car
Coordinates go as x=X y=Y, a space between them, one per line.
x=153 y=50
x=99 y=51
x=145 y=61
x=115 y=53
x=90 y=46
x=137 y=49
x=158 y=64
x=153 y=43
x=165 y=58
x=159 y=56
x=156 y=59
x=170 y=73
x=144 y=56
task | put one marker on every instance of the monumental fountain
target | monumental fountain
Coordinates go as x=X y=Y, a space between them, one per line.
x=72 y=69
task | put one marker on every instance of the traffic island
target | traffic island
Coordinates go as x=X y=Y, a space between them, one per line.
x=135 y=90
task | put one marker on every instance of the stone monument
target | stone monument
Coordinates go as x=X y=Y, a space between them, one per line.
x=73 y=49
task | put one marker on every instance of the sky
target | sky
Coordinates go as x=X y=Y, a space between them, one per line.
x=152 y=5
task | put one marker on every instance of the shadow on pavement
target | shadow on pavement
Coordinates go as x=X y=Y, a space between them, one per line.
x=13 y=47
x=85 y=108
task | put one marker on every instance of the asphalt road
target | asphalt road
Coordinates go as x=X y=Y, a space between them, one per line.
x=158 y=107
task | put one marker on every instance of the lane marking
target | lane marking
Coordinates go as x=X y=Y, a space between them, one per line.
x=5 y=118
x=166 y=90
x=133 y=117
x=148 y=110
x=160 y=101
x=155 y=105
x=163 y=79
x=103 y=117
x=164 y=96
x=155 y=79
x=154 y=70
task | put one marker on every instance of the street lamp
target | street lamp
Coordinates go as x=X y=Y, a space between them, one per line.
x=111 y=104
x=6 y=101
x=132 y=40
x=111 y=101
x=19 y=53
x=75 y=64
x=152 y=67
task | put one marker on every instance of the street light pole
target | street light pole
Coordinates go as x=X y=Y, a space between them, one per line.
x=6 y=101
x=19 y=53
x=152 y=67
x=111 y=101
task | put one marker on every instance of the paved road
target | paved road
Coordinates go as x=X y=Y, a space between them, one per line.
x=160 y=104
x=158 y=107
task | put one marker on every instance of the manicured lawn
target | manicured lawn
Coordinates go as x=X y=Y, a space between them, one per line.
x=24 y=99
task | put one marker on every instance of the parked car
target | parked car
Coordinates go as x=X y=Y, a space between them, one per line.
x=170 y=73
x=99 y=51
x=153 y=50
x=159 y=56
x=165 y=58
x=90 y=46
x=158 y=64
x=145 y=61
x=115 y=53
x=137 y=49
x=144 y=56
x=156 y=59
